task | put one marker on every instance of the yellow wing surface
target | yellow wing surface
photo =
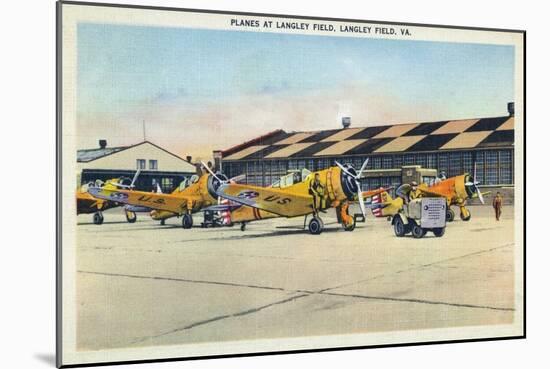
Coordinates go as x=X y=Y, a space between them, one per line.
x=283 y=202
x=428 y=192
x=158 y=201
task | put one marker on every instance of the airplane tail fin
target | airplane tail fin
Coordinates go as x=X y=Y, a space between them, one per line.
x=383 y=205
x=377 y=206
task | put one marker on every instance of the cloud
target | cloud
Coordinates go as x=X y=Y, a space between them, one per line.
x=170 y=95
x=192 y=127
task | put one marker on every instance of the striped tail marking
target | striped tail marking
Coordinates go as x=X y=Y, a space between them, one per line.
x=377 y=211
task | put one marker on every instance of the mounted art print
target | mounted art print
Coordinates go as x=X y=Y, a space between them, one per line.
x=239 y=183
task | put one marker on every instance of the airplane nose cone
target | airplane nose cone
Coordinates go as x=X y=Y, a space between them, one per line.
x=215 y=183
x=349 y=183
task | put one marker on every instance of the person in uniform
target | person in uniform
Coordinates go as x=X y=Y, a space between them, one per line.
x=317 y=190
x=414 y=193
x=440 y=177
x=497 y=205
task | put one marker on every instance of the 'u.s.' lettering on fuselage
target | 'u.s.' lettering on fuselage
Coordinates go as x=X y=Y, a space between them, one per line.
x=146 y=198
x=278 y=199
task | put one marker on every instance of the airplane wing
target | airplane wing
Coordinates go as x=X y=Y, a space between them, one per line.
x=277 y=201
x=428 y=193
x=152 y=200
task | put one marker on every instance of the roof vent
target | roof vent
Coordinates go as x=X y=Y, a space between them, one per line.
x=346 y=122
x=102 y=144
x=511 y=109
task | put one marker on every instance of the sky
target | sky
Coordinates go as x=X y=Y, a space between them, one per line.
x=201 y=90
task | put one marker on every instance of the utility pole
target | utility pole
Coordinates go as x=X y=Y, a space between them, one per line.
x=144 y=135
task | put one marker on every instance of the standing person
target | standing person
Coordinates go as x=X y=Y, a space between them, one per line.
x=317 y=190
x=497 y=205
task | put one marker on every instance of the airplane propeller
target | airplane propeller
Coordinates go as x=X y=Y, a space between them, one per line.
x=131 y=185
x=221 y=180
x=357 y=178
x=474 y=184
x=238 y=178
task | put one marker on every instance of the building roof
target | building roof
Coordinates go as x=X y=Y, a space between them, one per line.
x=411 y=137
x=88 y=155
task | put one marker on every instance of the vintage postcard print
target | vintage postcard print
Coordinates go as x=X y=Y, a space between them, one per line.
x=251 y=183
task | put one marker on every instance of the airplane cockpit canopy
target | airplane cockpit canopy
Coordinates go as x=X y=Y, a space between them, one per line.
x=292 y=178
x=188 y=182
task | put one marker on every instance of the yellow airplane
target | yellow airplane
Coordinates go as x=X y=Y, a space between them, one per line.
x=340 y=186
x=191 y=196
x=455 y=189
x=87 y=204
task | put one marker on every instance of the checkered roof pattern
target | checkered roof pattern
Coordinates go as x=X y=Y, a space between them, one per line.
x=415 y=137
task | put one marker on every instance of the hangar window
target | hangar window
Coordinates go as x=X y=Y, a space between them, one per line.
x=376 y=162
x=479 y=160
x=387 y=162
x=443 y=163
x=409 y=159
x=455 y=164
x=323 y=163
x=467 y=163
x=292 y=164
x=140 y=164
x=153 y=164
x=421 y=160
x=491 y=170
x=505 y=162
x=431 y=161
x=398 y=161
x=310 y=164
x=357 y=162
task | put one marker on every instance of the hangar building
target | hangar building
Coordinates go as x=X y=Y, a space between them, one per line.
x=394 y=151
x=157 y=165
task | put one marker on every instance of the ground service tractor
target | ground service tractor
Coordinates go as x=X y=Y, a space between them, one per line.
x=420 y=216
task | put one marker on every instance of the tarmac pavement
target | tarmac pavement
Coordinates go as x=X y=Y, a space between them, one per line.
x=145 y=284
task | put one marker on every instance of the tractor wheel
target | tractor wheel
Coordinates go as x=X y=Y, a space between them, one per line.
x=417 y=231
x=399 y=227
x=465 y=217
x=439 y=232
x=98 y=218
x=187 y=221
x=130 y=216
x=449 y=215
x=315 y=225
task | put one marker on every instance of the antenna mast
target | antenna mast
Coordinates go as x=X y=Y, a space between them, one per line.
x=144 y=135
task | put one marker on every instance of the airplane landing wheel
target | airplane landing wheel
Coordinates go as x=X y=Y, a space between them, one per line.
x=187 y=221
x=315 y=225
x=243 y=227
x=162 y=221
x=417 y=231
x=465 y=215
x=449 y=215
x=350 y=227
x=98 y=218
x=131 y=216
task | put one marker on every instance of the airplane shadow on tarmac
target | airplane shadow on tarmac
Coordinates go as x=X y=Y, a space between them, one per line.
x=236 y=233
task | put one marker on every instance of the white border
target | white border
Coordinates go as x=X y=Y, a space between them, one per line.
x=73 y=14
